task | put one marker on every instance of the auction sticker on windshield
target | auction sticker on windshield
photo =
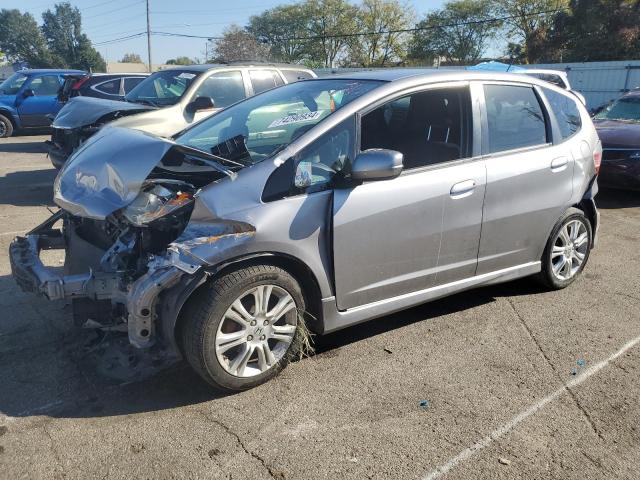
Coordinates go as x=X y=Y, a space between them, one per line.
x=295 y=118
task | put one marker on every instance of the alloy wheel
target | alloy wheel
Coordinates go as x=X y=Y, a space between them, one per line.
x=569 y=250
x=256 y=331
x=3 y=129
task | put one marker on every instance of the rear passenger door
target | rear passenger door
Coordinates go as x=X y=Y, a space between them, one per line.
x=529 y=179
x=421 y=229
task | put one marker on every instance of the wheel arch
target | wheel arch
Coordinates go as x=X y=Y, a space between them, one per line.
x=174 y=300
x=5 y=112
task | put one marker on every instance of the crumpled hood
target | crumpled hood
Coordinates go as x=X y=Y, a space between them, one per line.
x=616 y=134
x=82 y=111
x=107 y=172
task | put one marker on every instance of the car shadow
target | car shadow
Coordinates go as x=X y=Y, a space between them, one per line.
x=23 y=147
x=48 y=367
x=609 y=198
x=28 y=187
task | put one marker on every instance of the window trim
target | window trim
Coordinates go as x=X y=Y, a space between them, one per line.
x=549 y=126
x=474 y=145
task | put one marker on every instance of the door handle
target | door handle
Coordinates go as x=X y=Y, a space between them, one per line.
x=463 y=189
x=559 y=164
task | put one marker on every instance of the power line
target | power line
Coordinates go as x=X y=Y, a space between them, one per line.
x=120 y=39
x=114 y=10
x=357 y=34
x=382 y=32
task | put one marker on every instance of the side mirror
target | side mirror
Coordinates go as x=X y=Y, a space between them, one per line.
x=377 y=164
x=200 y=103
x=28 y=93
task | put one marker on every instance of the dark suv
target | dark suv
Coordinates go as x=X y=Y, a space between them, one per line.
x=111 y=86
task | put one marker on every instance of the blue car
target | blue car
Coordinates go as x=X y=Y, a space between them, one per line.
x=29 y=99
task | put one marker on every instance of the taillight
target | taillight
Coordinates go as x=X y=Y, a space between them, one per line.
x=597 y=160
x=79 y=83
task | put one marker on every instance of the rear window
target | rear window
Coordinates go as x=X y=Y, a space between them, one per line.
x=566 y=112
x=296 y=75
x=262 y=80
x=112 y=87
x=515 y=118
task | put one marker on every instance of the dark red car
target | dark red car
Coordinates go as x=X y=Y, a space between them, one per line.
x=618 y=126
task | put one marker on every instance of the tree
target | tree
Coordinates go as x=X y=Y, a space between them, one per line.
x=181 y=61
x=459 y=32
x=330 y=21
x=530 y=22
x=21 y=40
x=131 y=58
x=598 y=30
x=381 y=49
x=62 y=30
x=283 y=29
x=237 y=44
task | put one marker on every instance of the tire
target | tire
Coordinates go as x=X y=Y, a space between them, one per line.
x=6 y=127
x=212 y=321
x=558 y=252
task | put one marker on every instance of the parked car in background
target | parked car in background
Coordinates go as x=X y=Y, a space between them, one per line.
x=618 y=126
x=29 y=99
x=320 y=204
x=557 y=77
x=111 y=86
x=167 y=101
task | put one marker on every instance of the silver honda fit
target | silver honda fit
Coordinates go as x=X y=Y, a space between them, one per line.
x=315 y=206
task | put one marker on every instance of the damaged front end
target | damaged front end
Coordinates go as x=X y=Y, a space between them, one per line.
x=125 y=229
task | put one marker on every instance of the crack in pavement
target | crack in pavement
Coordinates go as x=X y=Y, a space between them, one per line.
x=273 y=474
x=53 y=450
x=572 y=394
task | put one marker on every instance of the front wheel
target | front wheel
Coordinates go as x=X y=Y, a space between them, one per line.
x=244 y=327
x=567 y=250
x=6 y=127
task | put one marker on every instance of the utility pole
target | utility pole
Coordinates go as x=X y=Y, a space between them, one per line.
x=149 y=37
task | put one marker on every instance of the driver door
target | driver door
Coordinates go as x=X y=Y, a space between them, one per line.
x=34 y=111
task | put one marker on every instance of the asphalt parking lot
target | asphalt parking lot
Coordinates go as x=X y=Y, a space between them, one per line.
x=507 y=382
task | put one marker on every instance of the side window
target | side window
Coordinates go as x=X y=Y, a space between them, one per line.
x=566 y=112
x=317 y=166
x=130 y=82
x=296 y=75
x=427 y=127
x=224 y=88
x=262 y=80
x=112 y=87
x=515 y=118
x=45 y=85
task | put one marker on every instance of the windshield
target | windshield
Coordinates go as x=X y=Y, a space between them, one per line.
x=623 y=109
x=162 y=88
x=256 y=128
x=12 y=84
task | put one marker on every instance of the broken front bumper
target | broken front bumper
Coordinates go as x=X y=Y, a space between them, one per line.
x=138 y=298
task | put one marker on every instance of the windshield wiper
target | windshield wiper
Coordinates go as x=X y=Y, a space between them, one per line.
x=145 y=102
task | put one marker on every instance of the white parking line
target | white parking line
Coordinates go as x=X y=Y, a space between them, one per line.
x=522 y=416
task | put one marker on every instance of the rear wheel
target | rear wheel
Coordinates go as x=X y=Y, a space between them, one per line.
x=6 y=127
x=243 y=328
x=567 y=250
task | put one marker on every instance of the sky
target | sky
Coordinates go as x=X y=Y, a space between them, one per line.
x=107 y=20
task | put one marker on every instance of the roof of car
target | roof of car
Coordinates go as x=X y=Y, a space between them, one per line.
x=40 y=71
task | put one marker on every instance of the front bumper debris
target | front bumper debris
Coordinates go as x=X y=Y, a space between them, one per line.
x=138 y=298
